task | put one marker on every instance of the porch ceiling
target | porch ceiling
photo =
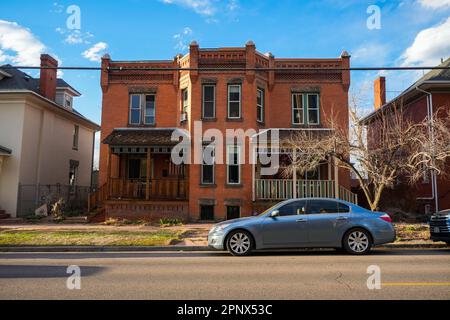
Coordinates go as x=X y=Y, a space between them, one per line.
x=144 y=136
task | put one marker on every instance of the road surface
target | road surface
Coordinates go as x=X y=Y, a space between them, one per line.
x=405 y=274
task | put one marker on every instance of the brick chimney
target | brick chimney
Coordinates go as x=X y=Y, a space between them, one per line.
x=47 y=81
x=379 y=92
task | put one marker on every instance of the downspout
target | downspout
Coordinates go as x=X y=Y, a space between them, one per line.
x=431 y=132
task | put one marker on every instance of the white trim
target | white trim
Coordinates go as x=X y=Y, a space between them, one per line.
x=262 y=105
x=130 y=108
x=145 y=109
x=213 y=101
x=293 y=94
x=317 y=109
x=240 y=101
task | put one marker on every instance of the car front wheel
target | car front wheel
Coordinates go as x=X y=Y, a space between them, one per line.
x=357 y=241
x=240 y=243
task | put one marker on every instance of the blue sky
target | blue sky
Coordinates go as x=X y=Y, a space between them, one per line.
x=413 y=32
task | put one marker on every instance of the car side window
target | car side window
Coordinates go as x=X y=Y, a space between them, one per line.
x=322 y=206
x=343 y=208
x=292 y=208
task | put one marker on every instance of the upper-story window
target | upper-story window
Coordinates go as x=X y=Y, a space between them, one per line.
x=233 y=164
x=75 y=134
x=209 y=101
x=234 y=101
x=185 y=102
x=305 y=108
x=260 y=105
x=142 y=109
x=68 y=101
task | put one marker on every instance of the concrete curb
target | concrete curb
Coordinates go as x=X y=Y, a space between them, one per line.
x=171 y=248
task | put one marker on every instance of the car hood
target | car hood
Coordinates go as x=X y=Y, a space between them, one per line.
x=238 y=220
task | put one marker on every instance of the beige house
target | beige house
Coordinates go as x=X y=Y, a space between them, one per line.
x=43 y=140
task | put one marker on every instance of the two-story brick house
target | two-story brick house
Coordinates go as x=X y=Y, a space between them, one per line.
x=145 y=102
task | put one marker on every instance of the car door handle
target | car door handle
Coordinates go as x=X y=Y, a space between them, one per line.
x=300 y=220
x=342 y=218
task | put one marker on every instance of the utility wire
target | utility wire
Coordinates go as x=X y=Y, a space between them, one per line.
x=226 y=69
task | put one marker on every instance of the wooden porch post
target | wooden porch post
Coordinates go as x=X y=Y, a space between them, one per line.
x=336 y=179
x=147 y=179
x=109 y=169
x=294 y=175
x=253 y=171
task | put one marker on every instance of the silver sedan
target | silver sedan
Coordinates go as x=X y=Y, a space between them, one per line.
x=302 y=223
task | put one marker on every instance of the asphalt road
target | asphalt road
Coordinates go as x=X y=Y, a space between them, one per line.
x=405 y=274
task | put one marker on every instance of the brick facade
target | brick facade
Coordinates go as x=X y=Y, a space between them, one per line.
x=278 y=86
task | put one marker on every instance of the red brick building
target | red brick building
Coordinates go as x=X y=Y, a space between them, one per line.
x=142 y=108
x=430 y=94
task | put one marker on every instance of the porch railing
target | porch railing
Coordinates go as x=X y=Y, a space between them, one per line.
x=158 y=189
x=281 y=189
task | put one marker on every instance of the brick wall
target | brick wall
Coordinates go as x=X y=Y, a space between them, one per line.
x=116 y=85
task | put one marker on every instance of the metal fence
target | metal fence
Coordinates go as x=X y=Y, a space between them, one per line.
x=32 y=196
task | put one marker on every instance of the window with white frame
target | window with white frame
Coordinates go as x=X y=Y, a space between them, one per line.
x=313 y=108
x=233 y=165
x=305 y=108
x=209 y=101
x=234 y=101
x=142 y=109
x=185 y=100
x=207 y=174
x=297 y=108
x=260 y=105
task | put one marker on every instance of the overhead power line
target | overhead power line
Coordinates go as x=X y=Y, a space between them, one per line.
x=227 y=69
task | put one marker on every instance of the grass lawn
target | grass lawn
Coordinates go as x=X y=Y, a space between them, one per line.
x=87 y=238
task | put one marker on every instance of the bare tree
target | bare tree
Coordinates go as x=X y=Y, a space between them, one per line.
x=393 y=147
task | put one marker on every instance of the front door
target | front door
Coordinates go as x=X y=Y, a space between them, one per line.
x=233 y=212
x=288 y=229
x=326 y=220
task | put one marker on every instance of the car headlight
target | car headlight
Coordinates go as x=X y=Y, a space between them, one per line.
x=219 y=227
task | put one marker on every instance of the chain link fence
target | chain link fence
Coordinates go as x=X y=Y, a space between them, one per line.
x=32 y=196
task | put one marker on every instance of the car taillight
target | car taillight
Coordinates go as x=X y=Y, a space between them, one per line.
x=386 y=218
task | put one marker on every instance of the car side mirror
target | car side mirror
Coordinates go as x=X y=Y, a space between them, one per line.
x=274 y=213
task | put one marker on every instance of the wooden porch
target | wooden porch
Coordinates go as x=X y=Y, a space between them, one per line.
x=140 y=170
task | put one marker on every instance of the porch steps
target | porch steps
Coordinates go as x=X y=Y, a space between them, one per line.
x=98 y=215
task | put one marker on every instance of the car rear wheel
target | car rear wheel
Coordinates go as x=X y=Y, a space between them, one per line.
x=357 y=241
x=240 y=243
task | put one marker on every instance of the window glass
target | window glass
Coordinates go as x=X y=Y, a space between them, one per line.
x=208 y=101
x=75 y=137
x=135 y=109
x=233 y=166
x=208 y=165
x=313 y=108
x=149 y=109
x=260 y=105
x=297 y=108
x=293 y=208
x=322 y=206
x=343 y=208
x=234 y=101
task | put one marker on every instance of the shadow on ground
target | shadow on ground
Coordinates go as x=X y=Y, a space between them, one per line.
x=30 y=271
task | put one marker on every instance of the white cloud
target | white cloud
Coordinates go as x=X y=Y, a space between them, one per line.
x=371 y=53
x=74 y=37
x=203 y=7
x=19 y=45
x=207 y=8
x=95 y=52
x=182 y=39
x=434 y=4
x=429 y=46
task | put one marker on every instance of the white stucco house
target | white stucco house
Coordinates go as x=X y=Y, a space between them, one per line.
x=43 y=139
